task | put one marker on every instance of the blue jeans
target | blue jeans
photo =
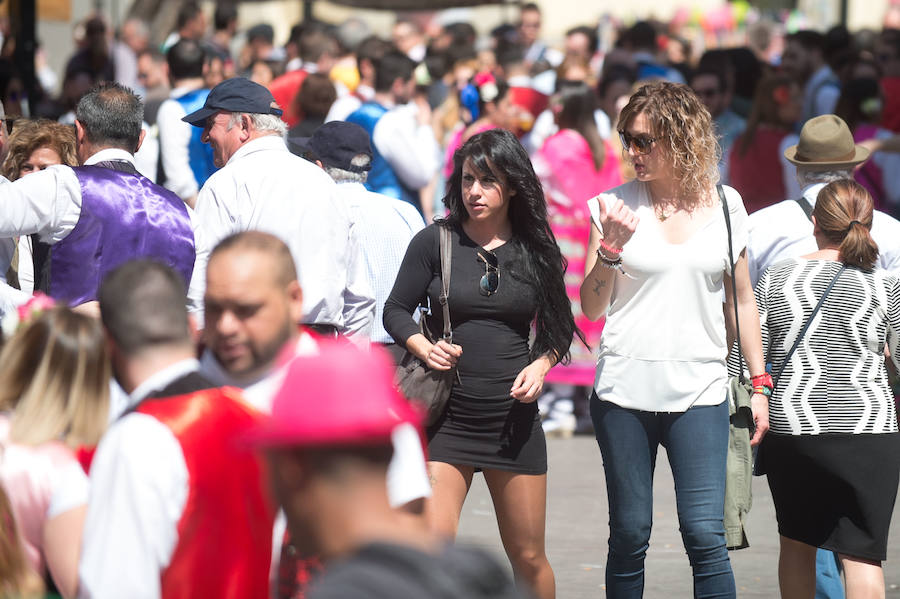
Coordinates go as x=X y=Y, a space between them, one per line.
x=696 y=442
x=828 y=575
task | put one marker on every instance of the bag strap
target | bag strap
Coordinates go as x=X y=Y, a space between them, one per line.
x=805 y=206
x=806 y=326
x=446 y=256
x=737 y=322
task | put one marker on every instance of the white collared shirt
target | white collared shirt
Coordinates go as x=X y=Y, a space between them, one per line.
x=264 y=187
x=385 y=227
x=408 y=147
x=783 y=231
x=174 y=137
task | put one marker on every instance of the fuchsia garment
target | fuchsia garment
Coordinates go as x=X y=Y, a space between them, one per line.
x=869 y=174
x=41 y=482
x=456 y=142
x=566 y=169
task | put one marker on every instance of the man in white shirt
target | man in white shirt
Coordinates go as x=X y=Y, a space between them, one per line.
x=384 y=225
x=92 y=218
x=253 y=307
x=406 y=152
x=826 y=152
x=176 y=500
x=186 y=161
x=261 y=185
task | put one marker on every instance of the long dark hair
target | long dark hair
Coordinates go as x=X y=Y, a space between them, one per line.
x=497 y=151
x=577 y=104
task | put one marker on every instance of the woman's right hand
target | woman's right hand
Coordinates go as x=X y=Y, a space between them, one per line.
x=618 y=223
x=443 y=355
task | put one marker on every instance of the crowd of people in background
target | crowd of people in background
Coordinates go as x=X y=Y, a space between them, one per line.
x=198 y=238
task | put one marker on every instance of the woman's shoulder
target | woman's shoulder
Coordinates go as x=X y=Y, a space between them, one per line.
x=732 y=197
x=630 y=192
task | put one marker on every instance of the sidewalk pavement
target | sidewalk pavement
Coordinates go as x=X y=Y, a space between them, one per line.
x=577 y=530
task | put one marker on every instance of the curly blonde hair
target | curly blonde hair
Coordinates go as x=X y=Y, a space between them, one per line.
x=28 y=136
x=683 y=126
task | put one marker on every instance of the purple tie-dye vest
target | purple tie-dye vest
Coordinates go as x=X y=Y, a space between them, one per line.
x=123 y=216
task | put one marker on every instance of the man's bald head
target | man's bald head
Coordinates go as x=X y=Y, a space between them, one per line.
x=253 y=302
x=285 y=269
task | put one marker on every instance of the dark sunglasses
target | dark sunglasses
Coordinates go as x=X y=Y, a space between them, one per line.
x=642 y=144
x=491 y=280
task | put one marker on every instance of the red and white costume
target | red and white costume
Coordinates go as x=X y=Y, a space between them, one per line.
x=178 y=506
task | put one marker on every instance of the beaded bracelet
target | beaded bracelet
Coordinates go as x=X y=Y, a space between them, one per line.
x=767 y=391
x=763 y=383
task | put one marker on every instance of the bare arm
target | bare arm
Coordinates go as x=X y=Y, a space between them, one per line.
x=62 y=544
x=596 y=290
x=751 y=337
x=618 y=223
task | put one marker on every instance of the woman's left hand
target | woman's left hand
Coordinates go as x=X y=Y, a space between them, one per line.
x=528 y=385
x=759 y=405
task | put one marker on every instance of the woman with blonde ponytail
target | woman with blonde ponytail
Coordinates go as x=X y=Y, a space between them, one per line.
x=832 y=455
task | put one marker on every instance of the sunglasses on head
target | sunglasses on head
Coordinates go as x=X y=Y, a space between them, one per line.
x=642 y=144
x=491 y=280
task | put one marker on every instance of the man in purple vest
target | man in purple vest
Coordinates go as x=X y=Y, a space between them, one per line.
x=90 y=219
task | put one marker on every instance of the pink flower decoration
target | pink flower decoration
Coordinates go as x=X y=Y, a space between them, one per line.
x=37 y=304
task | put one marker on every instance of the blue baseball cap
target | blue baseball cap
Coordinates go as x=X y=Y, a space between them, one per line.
x=235 y=95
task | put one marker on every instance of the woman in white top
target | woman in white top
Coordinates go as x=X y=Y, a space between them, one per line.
x=658 y=268
x=54 y=389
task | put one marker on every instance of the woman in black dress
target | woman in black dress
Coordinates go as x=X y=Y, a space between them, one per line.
x=506 y=274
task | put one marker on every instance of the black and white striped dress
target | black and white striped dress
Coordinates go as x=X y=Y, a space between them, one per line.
x=832 y=454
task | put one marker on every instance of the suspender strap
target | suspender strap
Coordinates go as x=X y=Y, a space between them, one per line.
x=805 y=206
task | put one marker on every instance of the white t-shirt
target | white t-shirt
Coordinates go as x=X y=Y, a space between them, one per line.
x=663 y=347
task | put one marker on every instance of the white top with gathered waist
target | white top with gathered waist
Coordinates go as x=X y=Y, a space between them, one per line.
x=663 y=347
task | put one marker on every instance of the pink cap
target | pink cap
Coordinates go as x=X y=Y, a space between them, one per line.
x=339 y=395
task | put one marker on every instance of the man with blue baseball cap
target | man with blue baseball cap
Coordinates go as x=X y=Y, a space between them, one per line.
x=261 y=185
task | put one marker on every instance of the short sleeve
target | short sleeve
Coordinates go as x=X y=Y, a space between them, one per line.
x=70 y=489
x=739 y=220
x=407 y=478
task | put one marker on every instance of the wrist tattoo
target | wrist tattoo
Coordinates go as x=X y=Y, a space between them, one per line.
x=598 y=285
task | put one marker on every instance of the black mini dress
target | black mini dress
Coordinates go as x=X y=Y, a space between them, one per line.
x=483 y=425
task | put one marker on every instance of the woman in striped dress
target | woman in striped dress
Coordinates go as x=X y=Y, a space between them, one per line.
x=832 y=454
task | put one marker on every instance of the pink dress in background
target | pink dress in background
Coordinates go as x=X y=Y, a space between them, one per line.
x=565 y=167
x=869 y=174
x=41 y=482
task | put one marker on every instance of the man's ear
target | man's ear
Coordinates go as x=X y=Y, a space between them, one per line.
x=140 y=140
x=79 y=132
x=194 y=329
x=246 y=127
x=295 y=297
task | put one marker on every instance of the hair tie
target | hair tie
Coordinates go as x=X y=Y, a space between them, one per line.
x=852 y=222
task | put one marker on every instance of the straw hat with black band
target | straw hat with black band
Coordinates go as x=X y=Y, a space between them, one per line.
x=825 y=144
